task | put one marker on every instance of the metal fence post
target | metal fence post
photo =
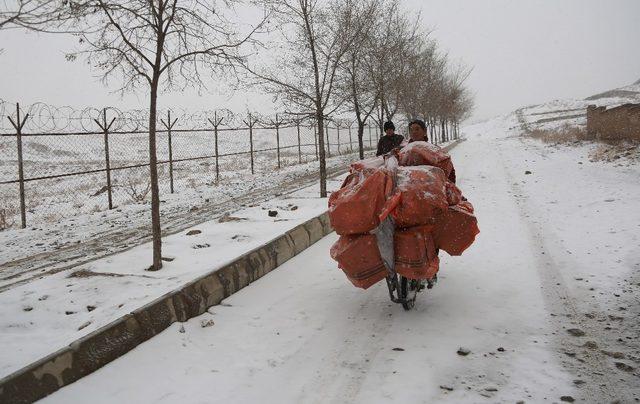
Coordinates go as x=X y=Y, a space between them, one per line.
x=326 y=130
x=18 y=125
x=338 y=129
x=250 y=125
x=170 y=142
x=278 y=139
x=251 y=143
x=105 y=130
x=215 y=140
x=216 y=122
x=169 y=125
x=299 y=146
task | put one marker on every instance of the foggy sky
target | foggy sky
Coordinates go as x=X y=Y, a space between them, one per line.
x=530 y=51
x=522 y=52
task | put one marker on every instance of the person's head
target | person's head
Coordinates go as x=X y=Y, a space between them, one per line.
x=417 y=130
x=389 y=128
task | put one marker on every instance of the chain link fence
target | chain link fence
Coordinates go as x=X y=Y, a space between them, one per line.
x=57 y=162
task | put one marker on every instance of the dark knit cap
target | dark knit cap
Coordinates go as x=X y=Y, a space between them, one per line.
x=418 y=122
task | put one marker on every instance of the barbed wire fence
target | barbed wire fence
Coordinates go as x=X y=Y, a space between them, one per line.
x=61 y=161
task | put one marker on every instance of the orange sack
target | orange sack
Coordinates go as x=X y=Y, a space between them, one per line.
x=368 y=165
x=423 y=196
x=356 y=207
x=466 y=205
x=423 y=153
x=359 y=258
x=456 y=229
x=454 y=195
x=415 y=253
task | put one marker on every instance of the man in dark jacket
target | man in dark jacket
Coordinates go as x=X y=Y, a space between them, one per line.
x=390 y=140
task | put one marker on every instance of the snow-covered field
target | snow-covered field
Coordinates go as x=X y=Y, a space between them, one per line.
x=38 y=250
x=50 y=200
x=545 y=302
x=46 y=314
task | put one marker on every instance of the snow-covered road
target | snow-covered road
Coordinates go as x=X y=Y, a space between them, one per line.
x=558 y=256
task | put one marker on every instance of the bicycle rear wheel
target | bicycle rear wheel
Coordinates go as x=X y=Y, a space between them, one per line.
x=407 y=293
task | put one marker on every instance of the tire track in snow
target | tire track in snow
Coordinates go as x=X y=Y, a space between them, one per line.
x=345 y=370
x=604 y=383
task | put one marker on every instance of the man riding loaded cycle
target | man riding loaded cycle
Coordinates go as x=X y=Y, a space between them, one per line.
x=395 y=212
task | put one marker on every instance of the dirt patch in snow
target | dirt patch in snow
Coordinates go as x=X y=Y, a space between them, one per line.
x=628 y=153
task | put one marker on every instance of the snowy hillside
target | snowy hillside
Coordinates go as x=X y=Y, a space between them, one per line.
x=573 y=112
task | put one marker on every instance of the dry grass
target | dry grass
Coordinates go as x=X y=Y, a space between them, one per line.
x=607 y=150
x=52 y=217
x=192 y=183
x=137 y=189
x=613 y=152
x=5 y=221
x=563 y=135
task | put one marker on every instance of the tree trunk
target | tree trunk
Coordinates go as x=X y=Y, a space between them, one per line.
x=436 y=131
x=446 y=131
x=153 y=176
x=360 y=139
x=433 y=131
x=381 y=121
x=321 y=151
x=442 y=134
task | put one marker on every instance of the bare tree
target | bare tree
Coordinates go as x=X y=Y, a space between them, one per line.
x=362 y=98
x=393 y=41
x=356 y=85
x=450 y=99
x=52 y=16
x=31 y=14
x=152 y=42
x=436 y=92
x=316 y=39
x=422 y=69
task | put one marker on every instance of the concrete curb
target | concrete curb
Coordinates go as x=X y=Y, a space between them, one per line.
x=108 y=343
x=454 y=144
x=93 y=351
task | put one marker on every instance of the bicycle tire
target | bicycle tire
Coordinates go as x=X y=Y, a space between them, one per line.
x=403 y=293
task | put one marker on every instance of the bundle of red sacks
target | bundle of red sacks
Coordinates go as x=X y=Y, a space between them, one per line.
x=414 y=190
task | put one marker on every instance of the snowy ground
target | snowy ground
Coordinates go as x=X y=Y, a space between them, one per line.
x=43 y=315
x=40 y=250
x=545 y=301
